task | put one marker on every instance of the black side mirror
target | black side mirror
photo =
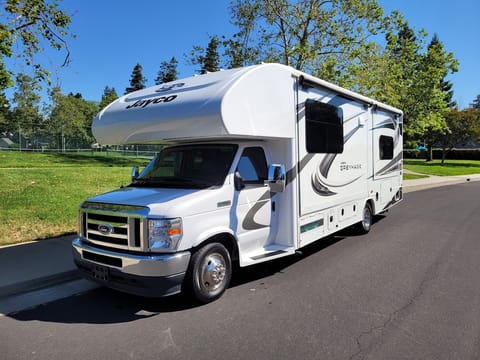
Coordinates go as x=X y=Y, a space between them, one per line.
x=135 y=173
x=238 y=181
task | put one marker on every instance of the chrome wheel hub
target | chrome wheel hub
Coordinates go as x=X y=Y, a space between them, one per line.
x=212 y=272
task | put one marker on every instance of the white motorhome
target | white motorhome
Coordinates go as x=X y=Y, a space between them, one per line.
x=261 y=161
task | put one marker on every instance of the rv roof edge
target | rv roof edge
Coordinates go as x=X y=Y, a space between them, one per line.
x=311 y=81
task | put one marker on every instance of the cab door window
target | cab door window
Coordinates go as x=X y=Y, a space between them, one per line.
x=252 y=166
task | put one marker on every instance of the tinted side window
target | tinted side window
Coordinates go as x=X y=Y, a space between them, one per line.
x=253 y=166
x=324 y=127
x=386 y=147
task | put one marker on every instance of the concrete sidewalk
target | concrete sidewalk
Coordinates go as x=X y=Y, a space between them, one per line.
x=436 y=181
x=41 y=264
x=35 y=265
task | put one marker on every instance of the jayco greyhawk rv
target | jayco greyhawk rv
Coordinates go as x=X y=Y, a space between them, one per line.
x=261 y=161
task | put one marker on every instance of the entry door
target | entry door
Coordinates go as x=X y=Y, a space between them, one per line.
x=253 y=201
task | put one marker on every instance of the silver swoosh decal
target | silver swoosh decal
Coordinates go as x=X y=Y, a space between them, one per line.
x=248 y=222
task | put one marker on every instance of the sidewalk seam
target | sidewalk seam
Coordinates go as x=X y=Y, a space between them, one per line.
x=39 y=283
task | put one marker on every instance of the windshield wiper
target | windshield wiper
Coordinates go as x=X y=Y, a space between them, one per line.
x=172 y=182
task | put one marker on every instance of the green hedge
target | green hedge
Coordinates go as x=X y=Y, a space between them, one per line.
x=455 y=154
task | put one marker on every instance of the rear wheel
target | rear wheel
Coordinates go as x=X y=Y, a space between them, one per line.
x=209 y=273
x=365 y=225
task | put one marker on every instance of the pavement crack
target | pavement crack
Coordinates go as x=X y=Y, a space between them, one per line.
x=362 y=351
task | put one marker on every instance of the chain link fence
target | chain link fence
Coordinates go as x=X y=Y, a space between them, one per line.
x=39 y=141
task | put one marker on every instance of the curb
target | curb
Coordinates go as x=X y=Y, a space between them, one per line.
x=38 y=283
x=437 y=181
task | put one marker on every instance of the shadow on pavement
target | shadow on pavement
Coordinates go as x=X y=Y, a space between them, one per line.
x=106 y=306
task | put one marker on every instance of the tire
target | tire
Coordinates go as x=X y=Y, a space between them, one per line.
x=209 y=273
x=364 y=226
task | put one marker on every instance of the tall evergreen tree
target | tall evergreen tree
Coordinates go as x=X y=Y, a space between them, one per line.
x=26 y=117
x=168 y=71
x=209 y=58
x=403 y=54
x=235 y=53
x=109 y=95
x=5 y=114
x=415 y=76
x=445 y=86
x=476 y=103
x=137 y=80
x=434 y=66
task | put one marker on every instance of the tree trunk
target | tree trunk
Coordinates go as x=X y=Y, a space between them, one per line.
x=444 y=155
x=429 y=155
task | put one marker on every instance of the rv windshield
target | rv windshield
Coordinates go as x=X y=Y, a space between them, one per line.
x=188 y=166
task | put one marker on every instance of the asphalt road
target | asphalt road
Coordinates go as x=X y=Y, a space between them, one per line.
x=407 y=290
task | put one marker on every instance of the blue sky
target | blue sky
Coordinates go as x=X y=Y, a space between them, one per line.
x=114 y=35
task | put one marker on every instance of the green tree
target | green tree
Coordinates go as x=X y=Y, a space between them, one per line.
x=109 y=95
x=460 y=129
x=235 y=54
x=434 y=66
x=5 y=114
x=70 y=120
x=168 y=71
x=25 y=26
x=316 y=36
x=403 y=54
x=26 y=118
x=209 y=59
x=241 y=50
x=414 y=81
x=445 y=86
x=137 y=80
x=476 y=103
x=476 y=126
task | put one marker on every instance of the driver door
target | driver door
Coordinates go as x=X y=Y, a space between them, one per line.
x=253 y=201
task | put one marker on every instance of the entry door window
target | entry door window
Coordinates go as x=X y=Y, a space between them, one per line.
x=324 y=128
x=386 y=147
x=252 y=166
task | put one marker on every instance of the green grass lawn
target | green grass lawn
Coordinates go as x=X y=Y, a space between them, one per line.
x=450 y=168
x=40 y=193
x=413 y=176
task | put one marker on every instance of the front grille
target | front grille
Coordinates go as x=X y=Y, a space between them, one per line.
x=107 y=260
x=121 y=227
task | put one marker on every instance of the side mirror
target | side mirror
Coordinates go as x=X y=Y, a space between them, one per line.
x=238 y=181
x=276 y=178
x=135 y=173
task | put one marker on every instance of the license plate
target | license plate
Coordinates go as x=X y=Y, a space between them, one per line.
x=100 y=272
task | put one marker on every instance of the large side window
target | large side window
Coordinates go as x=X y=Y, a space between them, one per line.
x=386 y=147
x=253 y=166
x=324 y=127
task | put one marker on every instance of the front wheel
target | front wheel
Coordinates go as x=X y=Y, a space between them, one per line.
x=209 y=273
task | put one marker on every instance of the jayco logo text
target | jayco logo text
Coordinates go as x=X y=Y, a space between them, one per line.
x=158 y=100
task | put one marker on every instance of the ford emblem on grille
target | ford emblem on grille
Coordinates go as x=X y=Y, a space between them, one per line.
x=105 y=229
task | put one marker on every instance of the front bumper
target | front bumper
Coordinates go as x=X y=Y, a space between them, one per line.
x=152 y=275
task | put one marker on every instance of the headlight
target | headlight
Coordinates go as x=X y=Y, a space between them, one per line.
x=164 y=234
